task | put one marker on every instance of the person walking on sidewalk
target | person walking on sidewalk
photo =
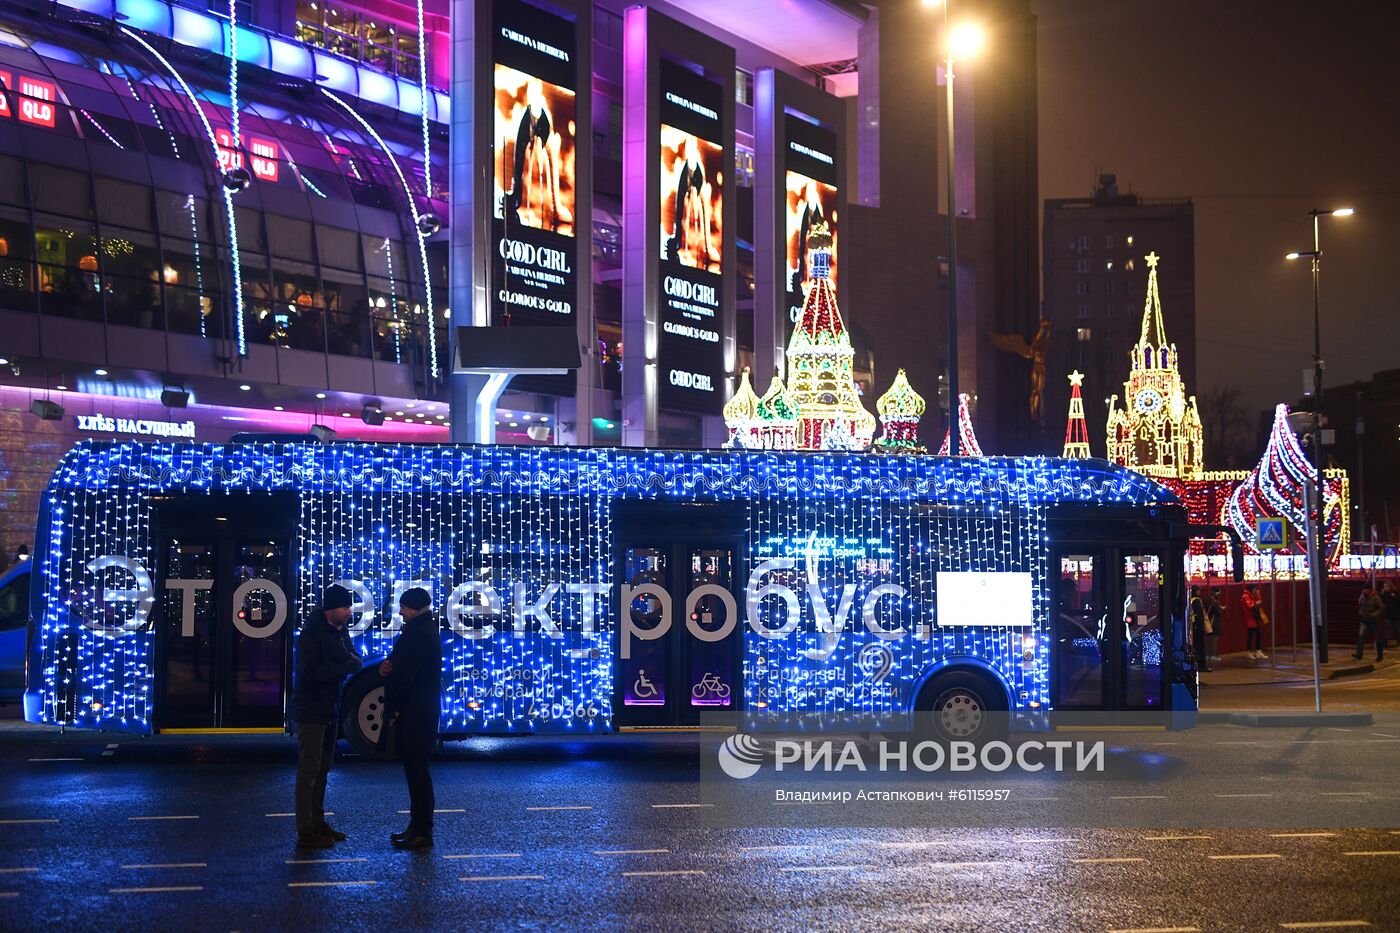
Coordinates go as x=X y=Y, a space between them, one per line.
x=324 y=658
x=1371 y=609
x=1215 y=622
x=1255 y=618
x=1390 y=596
x=1199 y=624
x=413 y=705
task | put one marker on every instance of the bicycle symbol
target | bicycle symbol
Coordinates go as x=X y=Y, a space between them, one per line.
x=708 y=686
x=643 y=689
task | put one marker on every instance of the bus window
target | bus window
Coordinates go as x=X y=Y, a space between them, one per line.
x=644 y=674
x=1142 y=631
x=1080 y=638
x=14 y=603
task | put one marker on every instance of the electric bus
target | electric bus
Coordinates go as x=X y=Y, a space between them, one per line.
x=589 y=590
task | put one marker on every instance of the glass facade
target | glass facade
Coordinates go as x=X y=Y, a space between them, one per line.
x=110 y=208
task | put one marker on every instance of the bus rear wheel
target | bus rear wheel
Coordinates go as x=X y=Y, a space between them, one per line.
x=362 y=715
x=961 y=707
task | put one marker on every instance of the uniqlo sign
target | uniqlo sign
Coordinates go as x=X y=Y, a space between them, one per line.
x=36 y=101
x=264 y=158
x=5 y=83
x=229 y=157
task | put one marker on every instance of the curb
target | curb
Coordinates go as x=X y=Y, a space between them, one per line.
x=1275 y=720
x=1212 y=718
x=1352 y=671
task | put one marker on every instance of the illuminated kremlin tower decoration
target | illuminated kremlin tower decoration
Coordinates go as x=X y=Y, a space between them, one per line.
x=777 y=417
x=1158 y=431
x=900 y=410
x=1076 y=430
x=741 y=415
x=967 y=440
x=821 y=382
x=1276 y=488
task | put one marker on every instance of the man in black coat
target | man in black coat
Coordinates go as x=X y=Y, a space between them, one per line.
x=413 y=704
x=324 y=658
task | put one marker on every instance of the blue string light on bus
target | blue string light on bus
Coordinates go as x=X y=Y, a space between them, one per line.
x=492 y=529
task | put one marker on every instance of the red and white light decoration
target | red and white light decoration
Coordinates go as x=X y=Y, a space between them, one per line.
x=967 y=440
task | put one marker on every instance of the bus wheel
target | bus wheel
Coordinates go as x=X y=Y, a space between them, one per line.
x=962 y=707
x=362 y=715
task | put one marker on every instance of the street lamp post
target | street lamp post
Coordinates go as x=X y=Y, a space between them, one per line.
x=1317 y=571
x=965 y=39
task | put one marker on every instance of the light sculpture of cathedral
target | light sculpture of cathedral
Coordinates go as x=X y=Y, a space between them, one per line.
x=1158 y=430
x=900 y=409
x=821 y=378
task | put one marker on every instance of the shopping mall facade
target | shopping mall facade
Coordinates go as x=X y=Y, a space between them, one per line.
x=191 y=250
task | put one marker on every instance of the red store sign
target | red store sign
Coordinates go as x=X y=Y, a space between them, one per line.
x=36 y=99
x=264 y=154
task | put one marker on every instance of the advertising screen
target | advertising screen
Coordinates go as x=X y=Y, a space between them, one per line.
x=810 y=162
x=692 y=168
x=534 y=151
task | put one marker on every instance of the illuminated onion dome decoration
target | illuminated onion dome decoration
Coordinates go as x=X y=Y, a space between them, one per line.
x=777 y=417
x=1076 y=429
x=1158 y=431
x=1277 y=487
x=820 y=374
x=967 y=438
x=741 y=415
x=900 y=409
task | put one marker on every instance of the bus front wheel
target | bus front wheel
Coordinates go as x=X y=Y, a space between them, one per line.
x=962 y=707
x=362 y=714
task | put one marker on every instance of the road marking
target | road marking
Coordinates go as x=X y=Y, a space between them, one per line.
x=785 y=848
x=1039 y=798
x=437 y=811
x=1239 y=743
x=16 y=871
x=1386 y=735
x=920 y=844
x=1223 y=858
x=1173 y=838
x=144 y=818
x=322 y=861
x=55 y=759
x=328 y=813
x=1156 y=930
x=679 y=806
x=631 y=851
x=485 y=855
x=534 y=809
x=1299 y=835
x=171 y=865
x=327 y=884
x=160 y=890
x=1030 y=841
x=1343 y=793
x=24 y=822
x=1107 y=861
x=503 y=877
x=663 y=874
x=1243 y=795
x=800 y=868
x=9 y=894
x=960 y=864
x=1324 y=924
x=1139 y=797
x=1378 y=852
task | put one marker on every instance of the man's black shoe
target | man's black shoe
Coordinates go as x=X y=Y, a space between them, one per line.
x=395 y=837
x=336 y=835
x=413 y=841
x=314 y=841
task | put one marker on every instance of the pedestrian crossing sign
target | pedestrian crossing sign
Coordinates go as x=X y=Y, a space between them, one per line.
x=1273 y=534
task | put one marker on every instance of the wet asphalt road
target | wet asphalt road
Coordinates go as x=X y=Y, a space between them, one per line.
x=174 y=833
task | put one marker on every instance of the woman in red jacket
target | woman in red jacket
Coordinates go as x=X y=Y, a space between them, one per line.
x=1254 y=622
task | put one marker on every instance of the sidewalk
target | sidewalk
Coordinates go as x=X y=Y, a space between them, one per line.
x=1240 y=683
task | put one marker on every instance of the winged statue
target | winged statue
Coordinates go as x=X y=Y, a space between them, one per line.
x=1035 y=352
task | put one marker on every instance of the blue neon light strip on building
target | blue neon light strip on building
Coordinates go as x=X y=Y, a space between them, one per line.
x=519 y=519
x=278 y=55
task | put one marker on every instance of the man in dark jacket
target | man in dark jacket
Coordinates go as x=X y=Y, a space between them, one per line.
x=413 y=704
x=324 y=658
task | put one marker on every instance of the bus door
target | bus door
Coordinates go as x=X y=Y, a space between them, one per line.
x=1111 y=637
x=224 y=622
x=686 y=637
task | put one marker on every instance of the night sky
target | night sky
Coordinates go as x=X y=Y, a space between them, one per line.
x=1258 y=111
